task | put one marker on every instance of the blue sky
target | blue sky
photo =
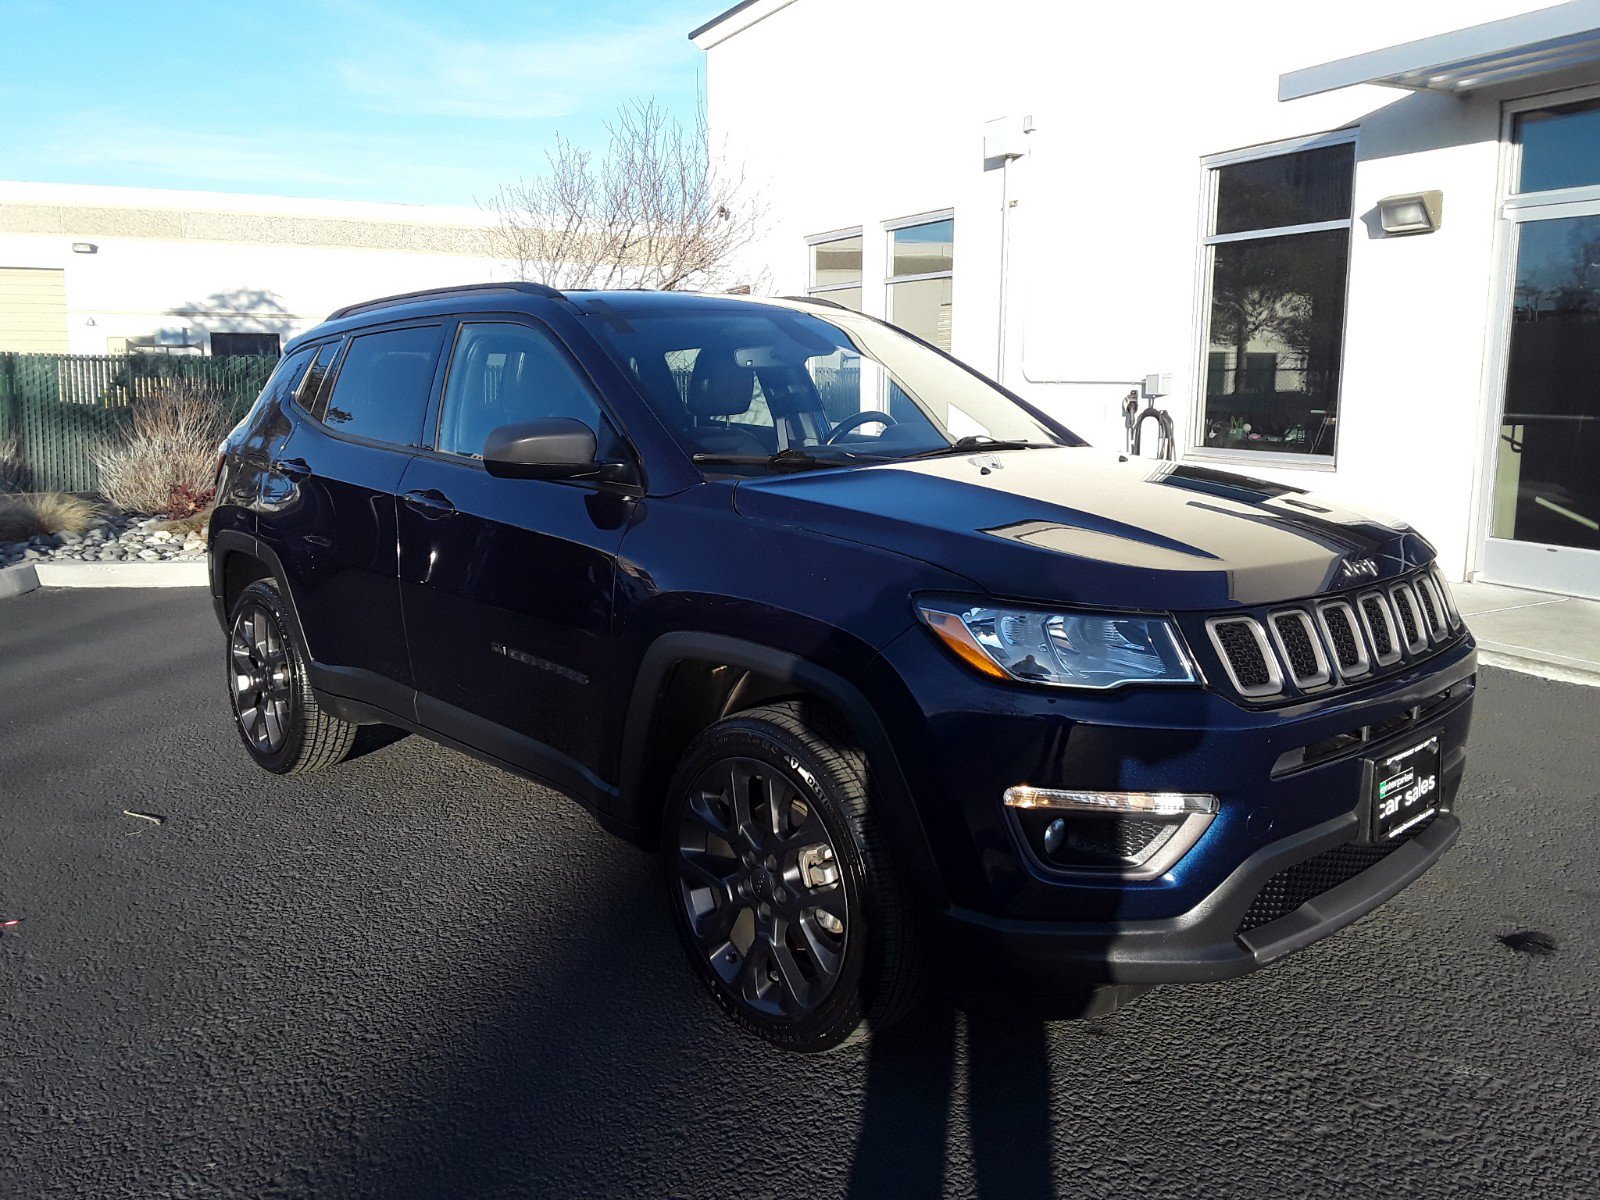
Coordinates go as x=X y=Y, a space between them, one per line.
x=393 y=100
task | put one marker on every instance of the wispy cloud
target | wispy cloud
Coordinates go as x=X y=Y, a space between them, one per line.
x=281 y=160
x=412 y=69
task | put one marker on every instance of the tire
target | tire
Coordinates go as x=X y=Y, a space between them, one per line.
x=755 y=897
x=275 y=711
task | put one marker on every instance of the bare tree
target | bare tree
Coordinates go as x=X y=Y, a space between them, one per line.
x=656 y=210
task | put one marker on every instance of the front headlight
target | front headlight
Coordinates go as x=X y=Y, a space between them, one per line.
x=1078 y=650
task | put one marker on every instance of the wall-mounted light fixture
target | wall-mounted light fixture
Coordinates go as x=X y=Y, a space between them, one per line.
x=85 y=248
x=1418 y=212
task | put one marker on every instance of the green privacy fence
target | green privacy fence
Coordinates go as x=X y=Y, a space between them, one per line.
x=57 y=409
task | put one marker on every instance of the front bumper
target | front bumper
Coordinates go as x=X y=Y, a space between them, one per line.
x=1203 y=944
x=1008 y=917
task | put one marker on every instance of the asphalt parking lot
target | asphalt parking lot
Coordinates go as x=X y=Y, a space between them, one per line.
x=416 y=977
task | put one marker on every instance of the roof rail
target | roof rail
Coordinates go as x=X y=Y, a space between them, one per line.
x=527 y=289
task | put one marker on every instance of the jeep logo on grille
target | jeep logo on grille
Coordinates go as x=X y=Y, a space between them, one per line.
x=1353 y=570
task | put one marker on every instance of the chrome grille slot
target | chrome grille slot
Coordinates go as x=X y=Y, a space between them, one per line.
x=1334 y=641
x=1443 y=588
x=1343 y=632
x=1378 y=621
x=1433 y=611
x=1410 y=614
x=1246 y=656
x=1296 y=639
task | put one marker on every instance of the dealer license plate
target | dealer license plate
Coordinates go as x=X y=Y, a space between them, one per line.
x=1405 y=790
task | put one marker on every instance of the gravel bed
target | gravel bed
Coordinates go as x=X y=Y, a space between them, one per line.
x=118 y=538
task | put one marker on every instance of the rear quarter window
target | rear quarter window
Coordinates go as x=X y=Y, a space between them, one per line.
x=381 y=391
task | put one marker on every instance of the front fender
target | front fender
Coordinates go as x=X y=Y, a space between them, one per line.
x=646 y=709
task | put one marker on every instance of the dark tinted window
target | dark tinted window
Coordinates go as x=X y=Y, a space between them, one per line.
x=1287 y=189
x=288 y=375
x=244 y=345
x=503 y=373
x=383 y=385
x=313 y=394
x=1560 y=146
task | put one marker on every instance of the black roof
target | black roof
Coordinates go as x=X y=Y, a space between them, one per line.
x=471 y=289
x=483 y=297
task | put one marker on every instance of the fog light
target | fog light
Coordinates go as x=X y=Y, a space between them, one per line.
x=1054 y=834
x=1146 y=804
x=1137 y=835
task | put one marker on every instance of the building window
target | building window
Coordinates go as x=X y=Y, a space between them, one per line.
x=1277 y=261
x=921 y=267
x=836 y=269
x=244 y=345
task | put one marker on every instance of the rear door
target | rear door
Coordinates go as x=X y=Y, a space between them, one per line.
x=331 y=515
x=507 y=583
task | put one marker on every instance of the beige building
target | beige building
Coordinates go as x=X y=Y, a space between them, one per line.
x=102 y=270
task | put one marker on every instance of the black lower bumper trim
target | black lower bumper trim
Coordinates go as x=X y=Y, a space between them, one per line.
x=1202 y=944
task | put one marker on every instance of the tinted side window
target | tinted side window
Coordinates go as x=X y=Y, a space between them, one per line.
x=313 y=393
x=287 y=376
x=503 y=373
x=383 y=385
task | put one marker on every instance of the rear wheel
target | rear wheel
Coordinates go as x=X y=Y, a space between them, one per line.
x=279 y=720
x=787 y=899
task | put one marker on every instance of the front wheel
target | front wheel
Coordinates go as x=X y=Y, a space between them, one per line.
x=275 y=711
x=786 y=896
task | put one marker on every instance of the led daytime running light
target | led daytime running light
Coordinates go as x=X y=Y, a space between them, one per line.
x=1148 y=804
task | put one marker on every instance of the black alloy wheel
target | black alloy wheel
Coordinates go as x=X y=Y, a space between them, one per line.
x=262 y=694
x=760 y=883
x=275 y=709
x=786 y=896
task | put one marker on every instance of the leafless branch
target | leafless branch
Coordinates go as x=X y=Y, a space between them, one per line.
x=656 y=210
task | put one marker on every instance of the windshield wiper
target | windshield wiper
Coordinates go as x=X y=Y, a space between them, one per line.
x=792 y=459
x=981 y=441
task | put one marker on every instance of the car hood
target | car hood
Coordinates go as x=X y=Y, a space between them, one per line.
x=1081 y=526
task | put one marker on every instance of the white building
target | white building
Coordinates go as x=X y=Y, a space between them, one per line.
x=1180 y=189
x=98 y=270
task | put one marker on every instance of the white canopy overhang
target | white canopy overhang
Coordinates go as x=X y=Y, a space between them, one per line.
x=1519 y=47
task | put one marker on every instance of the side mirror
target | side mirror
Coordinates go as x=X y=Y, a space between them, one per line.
x=549 y=448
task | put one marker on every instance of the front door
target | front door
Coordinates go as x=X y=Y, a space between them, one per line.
x=506 y=584
x=1545 y=490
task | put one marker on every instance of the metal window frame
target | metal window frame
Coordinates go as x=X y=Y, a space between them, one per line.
x=1205 y=274
x=814 y=240
x=1513 y=209
x=890 y=228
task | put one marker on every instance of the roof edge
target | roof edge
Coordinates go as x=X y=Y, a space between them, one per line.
x=727 y=23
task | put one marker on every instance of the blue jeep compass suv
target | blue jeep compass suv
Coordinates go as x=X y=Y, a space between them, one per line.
x=904 y=682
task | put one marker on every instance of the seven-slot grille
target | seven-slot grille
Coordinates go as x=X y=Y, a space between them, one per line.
x=1321 y=642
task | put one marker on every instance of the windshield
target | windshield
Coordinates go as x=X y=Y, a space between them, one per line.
x=809 y=386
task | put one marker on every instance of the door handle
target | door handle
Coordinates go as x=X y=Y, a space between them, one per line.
x=291 y=468
x=431 y=504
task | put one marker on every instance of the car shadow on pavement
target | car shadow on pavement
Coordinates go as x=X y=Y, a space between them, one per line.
x=591 y=1064
x=911 y=1086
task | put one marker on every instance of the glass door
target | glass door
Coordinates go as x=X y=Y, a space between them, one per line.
x=1545 y=526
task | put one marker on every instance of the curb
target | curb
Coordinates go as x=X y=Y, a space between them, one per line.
x=1532 y=662
x=26 y=577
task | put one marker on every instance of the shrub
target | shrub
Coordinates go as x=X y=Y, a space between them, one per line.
x=185 y=502
x=168 y=454
x=23 y=516
x=10 y=464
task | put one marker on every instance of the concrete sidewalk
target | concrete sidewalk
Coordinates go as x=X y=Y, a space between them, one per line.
x=1557 y=637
